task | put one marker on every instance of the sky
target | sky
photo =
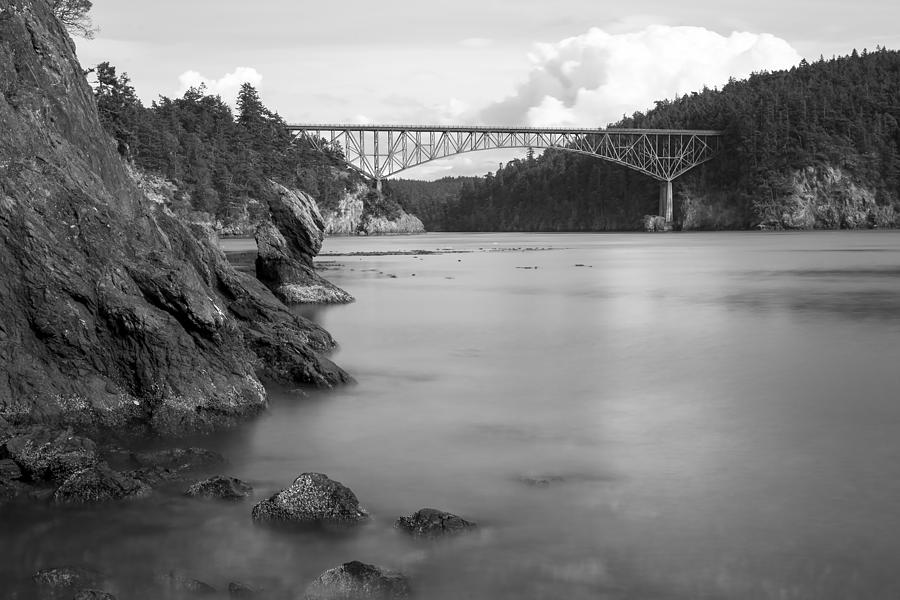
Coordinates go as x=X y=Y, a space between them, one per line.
x=583 y=63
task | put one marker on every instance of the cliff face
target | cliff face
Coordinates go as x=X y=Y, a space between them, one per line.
x=822 y=197
x=351 y=218
x=112 y=311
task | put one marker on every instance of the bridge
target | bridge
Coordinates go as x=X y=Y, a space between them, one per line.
x=380 y=151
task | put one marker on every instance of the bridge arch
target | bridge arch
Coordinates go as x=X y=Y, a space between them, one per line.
x=380 y=151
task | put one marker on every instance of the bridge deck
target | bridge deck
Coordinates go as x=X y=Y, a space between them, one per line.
x=492 y=129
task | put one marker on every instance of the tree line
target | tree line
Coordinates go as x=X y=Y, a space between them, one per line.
x=219 y=161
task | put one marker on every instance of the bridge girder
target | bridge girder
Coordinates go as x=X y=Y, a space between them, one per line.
x=380 y=151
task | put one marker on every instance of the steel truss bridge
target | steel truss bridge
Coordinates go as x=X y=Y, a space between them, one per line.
x=380 y=151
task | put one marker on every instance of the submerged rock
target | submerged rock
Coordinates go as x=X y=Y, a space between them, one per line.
x=312 y=499
x=179 y=459
x=178 y=583
x=98 y=484
x=221 y=488
x=237 y=589
x=359 y=581
x=93 y=595
x=433 y=523
x=67 y=577
x=52 y=455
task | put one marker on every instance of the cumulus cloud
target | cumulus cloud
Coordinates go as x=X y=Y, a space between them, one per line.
x=226 y=86
x=594 y=79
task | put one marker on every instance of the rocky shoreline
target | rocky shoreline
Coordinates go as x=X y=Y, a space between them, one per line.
x=58 y=467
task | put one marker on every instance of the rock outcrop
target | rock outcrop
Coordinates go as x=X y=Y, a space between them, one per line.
x=98 y=484
x=313 y=499
x=820 y=197
x=113 y=312
x=43 y=454
x=826 y=198
x=286 y=247
x=359 y=581
x=351 y=218
x=432 y=523
x=66 y=577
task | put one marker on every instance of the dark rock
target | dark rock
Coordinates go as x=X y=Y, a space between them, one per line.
x=656 y=223
x=93 y=595
x=541 y=481
x=289 y=277
x=237 y=589
x=358 y=581
x=47 y=454
x=433 y=523
x=154 y=476
x=117 y=313
x=98 y=484
x=67 y=577
x=313 y=498
x=221 y=488
x=41 y=494
x=176 y=582
x=179 y=459
x=9 y=470
x=8 y=491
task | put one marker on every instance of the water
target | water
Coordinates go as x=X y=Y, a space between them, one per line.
x=707 y=415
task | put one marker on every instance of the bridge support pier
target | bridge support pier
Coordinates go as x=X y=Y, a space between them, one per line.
x=666 y=204
x=378 y=184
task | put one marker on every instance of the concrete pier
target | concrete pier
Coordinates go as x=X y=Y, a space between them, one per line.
x=666 y=207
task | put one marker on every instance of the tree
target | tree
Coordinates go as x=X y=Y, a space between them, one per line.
x=251 y=111
x=73 y=14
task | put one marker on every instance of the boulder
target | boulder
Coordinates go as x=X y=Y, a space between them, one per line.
x=220 y=488
x=291 y=277
x=117 y=313
x=67 y=577
x=8 y=491
x=49 y=454
x=93 y=595
x=313 y=499
x=237 y=589
x=433 y=523
x=179 y=583
x=655 y=223
x=98 y=484
x=9 y=470
x=358 y=581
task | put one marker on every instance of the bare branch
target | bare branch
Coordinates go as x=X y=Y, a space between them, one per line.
x=73 y=14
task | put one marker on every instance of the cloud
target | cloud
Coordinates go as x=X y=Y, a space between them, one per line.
x=594 y=79
x=226 y=86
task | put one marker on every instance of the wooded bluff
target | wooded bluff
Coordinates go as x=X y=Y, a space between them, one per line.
x=817 y=146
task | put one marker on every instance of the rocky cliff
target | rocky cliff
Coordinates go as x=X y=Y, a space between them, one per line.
x=822 y=197
x=351 y=218
x=113 y=312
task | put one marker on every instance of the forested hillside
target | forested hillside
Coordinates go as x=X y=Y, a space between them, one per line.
x=219 y=162
x=815 y=146
x=428 y=200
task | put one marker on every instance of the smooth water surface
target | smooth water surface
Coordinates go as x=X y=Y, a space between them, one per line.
x=626 y=416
